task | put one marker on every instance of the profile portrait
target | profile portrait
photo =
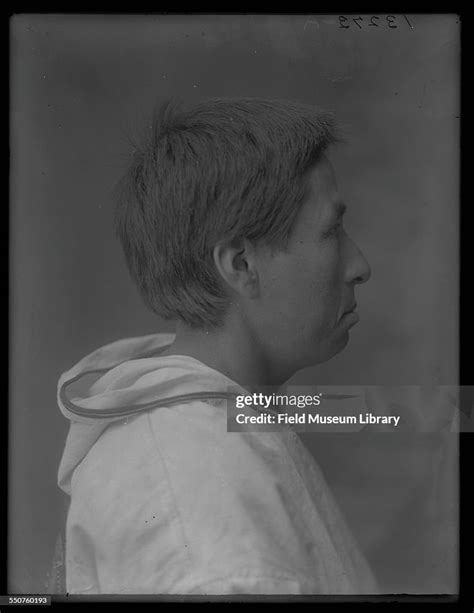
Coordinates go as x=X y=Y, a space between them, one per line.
x=234 y=332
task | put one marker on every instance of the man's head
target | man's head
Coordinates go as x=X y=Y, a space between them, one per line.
x=228 y=211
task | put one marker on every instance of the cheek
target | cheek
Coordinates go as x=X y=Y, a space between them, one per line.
x=323 y=280
x=305 y=287
x=325 y=297
x=314 y=300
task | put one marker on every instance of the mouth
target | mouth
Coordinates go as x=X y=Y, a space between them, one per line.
x=350 y=315
x=351 y=309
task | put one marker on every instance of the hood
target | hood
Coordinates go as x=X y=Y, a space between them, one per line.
x=122 y=379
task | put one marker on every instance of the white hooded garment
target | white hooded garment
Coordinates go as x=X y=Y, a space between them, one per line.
x=166 y=501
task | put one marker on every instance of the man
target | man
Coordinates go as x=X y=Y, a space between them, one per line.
x=231 y=224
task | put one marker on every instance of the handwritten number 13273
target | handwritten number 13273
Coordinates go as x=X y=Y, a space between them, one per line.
x=391 y=21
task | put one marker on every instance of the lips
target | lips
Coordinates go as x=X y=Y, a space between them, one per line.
x=351 y=308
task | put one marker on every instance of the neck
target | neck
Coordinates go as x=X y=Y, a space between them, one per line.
x=231 y=350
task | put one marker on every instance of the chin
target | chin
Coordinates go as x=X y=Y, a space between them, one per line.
x=342 y=341
x=314 y=351
x=336 y=347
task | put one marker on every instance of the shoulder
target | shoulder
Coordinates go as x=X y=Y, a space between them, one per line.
x=193 y=443
x=178 y=453
x=176 y=481
x=239 y=497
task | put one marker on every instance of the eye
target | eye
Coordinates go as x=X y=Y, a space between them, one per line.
x=333 y=231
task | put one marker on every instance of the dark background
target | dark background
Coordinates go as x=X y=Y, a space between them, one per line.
x=81 y=86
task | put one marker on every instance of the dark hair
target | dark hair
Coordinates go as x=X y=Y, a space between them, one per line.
x=222 y=169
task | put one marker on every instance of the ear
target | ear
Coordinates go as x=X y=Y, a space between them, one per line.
x=236 y=262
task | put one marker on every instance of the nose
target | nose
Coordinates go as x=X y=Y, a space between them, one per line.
x=358 y=269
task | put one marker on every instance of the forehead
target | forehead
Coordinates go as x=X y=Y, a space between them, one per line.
x=322 y=202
